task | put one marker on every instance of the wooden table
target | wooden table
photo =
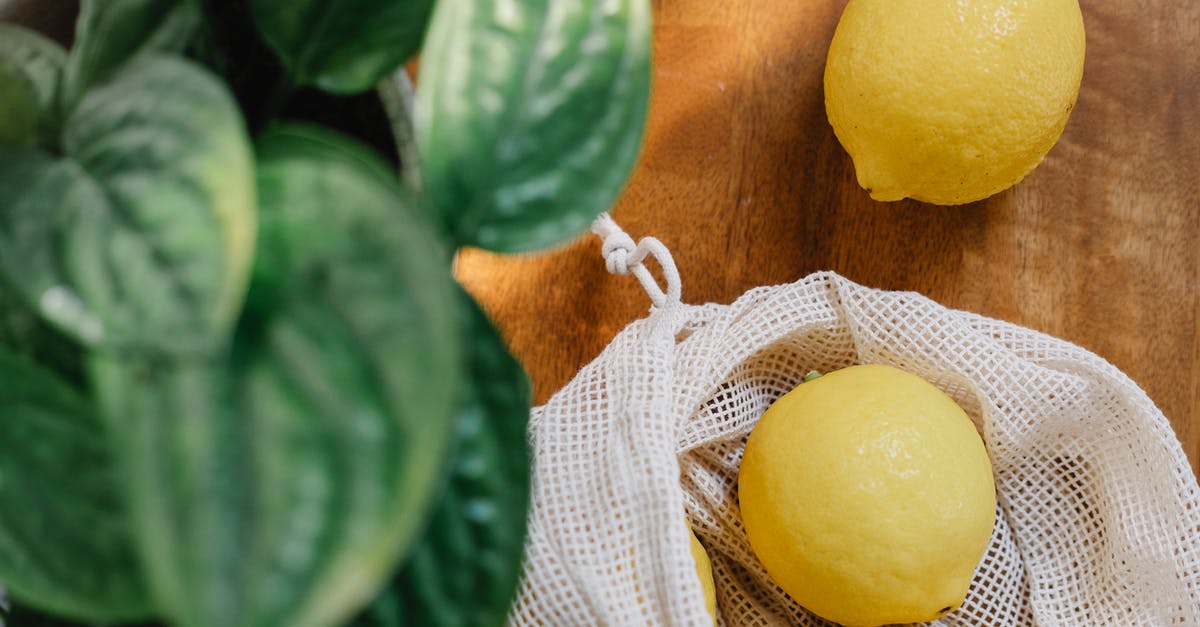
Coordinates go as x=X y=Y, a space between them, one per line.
x=742 y=177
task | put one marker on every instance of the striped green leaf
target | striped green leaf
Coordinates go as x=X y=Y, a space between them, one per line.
x=142 y=234
x=282 y=483
x=31 y=68
x=530 y=115
x=464 y=571
x=65 y=544
x=19 y=109
x=345 y=46
x=111 y=33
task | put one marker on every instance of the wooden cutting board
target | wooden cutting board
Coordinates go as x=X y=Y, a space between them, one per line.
x=742 y=178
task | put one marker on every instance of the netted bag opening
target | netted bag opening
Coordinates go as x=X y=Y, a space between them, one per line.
x=1098 y=511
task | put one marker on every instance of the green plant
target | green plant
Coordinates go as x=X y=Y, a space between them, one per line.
x=239 y=383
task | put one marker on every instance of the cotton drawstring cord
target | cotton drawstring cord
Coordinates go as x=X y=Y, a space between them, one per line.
x=623 y=256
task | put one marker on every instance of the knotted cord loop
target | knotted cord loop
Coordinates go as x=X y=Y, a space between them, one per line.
x=623 y=256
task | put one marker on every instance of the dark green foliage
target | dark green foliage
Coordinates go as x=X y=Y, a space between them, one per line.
x=238 y=383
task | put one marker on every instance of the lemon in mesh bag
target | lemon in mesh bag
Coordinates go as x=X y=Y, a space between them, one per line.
x=1097 y=508
x=867 y=495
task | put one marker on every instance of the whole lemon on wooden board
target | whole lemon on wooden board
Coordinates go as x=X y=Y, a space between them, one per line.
x=868 y=496
x=951 y=101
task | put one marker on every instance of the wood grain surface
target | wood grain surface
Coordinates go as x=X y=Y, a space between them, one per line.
x=742 y=177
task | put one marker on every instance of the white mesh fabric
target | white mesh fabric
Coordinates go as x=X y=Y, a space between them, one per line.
x=1098 y=510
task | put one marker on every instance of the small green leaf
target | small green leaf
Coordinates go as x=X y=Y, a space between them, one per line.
x=311 y=143
x=143 y=234
x=345 y=46
x=530 y=115
x=19 y=108
x=465 y=570
x=27 y=55
x=64 y=541
x=281 y=484
x=41 y=59
x=110 y=33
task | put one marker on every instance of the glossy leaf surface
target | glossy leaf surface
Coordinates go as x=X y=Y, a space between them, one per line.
x=281 y=485
x=142 y=235
x=110 y=33
x=65 y=542
x=345 y=46
x=464 y=571
x=19 y=109
x=530 y=115
x=31 y=68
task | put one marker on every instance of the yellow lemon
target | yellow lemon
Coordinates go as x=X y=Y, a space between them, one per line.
x=868 y=496
x=704 y=572
x=951 y=101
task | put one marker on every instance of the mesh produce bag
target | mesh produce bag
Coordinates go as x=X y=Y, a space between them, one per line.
x=1098 y=518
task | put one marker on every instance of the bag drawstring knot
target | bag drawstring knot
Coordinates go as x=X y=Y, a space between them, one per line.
x=623 y=256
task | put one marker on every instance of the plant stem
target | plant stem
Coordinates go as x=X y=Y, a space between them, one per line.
x=397 y=94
